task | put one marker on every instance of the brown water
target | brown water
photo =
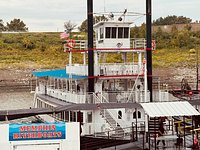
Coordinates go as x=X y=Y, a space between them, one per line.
x=15 y=100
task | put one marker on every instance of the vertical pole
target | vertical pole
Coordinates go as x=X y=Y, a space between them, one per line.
x=149 y=47
x=133 y=134
x=90 y=46
x=184 y=131
x=143 y=139
x=197 y=67
x=193 y=131
x=149 y=134
x=136 y=111
x=145 y=82
x=155 y=132
x=69 y=116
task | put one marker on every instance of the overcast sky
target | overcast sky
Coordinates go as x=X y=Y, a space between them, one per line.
x=50 y=15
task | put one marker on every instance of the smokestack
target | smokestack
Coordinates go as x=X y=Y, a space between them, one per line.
x=149 y=47
x=90 y=46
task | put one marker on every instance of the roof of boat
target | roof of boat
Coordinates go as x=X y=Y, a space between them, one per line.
x=175 y=108
x=58 y=74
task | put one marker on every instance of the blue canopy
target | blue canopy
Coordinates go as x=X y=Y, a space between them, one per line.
x=58 y=74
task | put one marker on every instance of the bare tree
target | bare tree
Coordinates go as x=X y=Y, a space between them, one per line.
x=69 y=26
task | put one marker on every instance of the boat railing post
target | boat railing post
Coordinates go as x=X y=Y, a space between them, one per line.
x=184 y=131
x=133 y=133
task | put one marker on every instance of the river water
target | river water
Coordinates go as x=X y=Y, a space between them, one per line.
x=16 y=100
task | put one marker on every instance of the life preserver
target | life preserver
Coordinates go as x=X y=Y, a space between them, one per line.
x=71 y=43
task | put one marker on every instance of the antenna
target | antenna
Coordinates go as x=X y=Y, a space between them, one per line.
x=104 y=9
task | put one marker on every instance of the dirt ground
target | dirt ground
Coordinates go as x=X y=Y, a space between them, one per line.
x=14 y=75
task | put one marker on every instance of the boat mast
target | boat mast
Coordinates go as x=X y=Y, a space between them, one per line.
x=149 y=47
x=90 y=46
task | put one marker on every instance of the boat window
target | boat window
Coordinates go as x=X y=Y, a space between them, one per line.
x=62 y=115
x=101 y=33
x=108 y=31
x=120 y=32
x=120 y=114
x=67 y=116
x=114 y=31
x=139 y=115
x=89 y=117
x=126 y=32
x=134 y=115
x=72 y=116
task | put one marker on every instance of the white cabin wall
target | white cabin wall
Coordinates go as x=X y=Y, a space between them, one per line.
x=112 y=43
x=98 y=124
x=127 y=116
x=99 y=121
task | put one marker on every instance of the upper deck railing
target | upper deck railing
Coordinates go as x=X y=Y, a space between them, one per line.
x=137 y=43
x=107 y=69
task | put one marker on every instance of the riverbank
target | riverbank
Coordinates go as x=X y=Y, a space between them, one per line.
x=13 y=80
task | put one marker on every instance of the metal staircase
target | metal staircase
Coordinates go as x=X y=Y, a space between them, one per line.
x=153 y=126
x=118 y=131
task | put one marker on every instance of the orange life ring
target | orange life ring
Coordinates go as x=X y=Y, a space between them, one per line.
x=71 y=43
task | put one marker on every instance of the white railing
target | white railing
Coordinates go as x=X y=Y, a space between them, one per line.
x=135 y=43
x=136 y=96
x=119 y=69
x=139 y=43
x=104 y=97
x=79 y=44
x=161 y=95
x=106 y=69
x=66 y=96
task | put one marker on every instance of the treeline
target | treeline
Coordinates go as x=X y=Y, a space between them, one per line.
x=174 y=39
x=15 y=25
x=169 y=20
x=185 y=38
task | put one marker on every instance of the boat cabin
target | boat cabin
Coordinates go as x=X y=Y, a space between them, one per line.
x=112 y=34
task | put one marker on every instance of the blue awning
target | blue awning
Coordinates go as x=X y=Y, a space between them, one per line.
x=58 y=74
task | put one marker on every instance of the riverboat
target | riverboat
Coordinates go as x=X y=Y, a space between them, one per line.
x=116 y=84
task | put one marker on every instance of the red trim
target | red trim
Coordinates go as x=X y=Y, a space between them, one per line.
x=122 y=49
x=111 y=49
x=148 y=49
x=116 y=76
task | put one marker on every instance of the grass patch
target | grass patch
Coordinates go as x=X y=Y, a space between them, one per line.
x=45 y=51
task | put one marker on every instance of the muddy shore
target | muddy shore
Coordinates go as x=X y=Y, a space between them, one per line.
x=22 y=80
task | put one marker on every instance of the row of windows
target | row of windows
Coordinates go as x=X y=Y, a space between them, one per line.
x=115 y=32
x=72 y=116
x=62 y=116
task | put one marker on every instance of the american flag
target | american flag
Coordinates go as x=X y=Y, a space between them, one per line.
x=64 y=35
